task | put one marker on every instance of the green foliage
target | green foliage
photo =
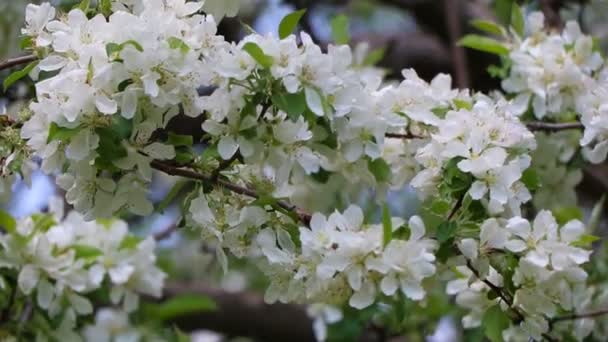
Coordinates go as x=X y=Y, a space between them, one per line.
x=292 y=104
x=63 y=134
x=565 y=214
x=84 y=5
x=130 y=242
x=518 y=22
x=17 y=75
x=446 y=231
x=387 y=225
x=105 y=7
x=455 y=182
x=494 y=322
x=178 y=44
x=180 y=140
x=503 y=10
x=488 y=27
x=374 y=57
x=485 y=44
x=113 y=50
x=258 y=54
x=175 y=190
x=585 y=241
x=7 y=222
x=596 y=215
x=289 y=23
x=86 y=252
x=182 y=305
x=340 y=30
x=380 y=169
x=531 y=179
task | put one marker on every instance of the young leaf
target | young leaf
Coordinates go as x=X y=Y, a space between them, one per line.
x=105 y=7
x=339 y=29
x=178 y=44
x=7 y=221
x=387 y=225
x=374 y=57
x=566 y=214
x=495 y=321
x=183 y=305
x=518 y=22
x=84 y=5
x=61 y=133
x=596 y=215
x=86 y=252
x=531 y=179
x=180 y=140
x=585 y=241
x=482 y=43
x=380 y=169
x=17 y=75
x=503 y=10
x=289 y=23
x=488 y=27
x=258 y=54
x=175 y=190
x=446 y=231
x=292 y=104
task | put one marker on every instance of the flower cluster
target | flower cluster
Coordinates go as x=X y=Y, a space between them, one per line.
x=116 y=81
x=62 y=261
x=551 y=70
x=487 y=142
x=548 y=276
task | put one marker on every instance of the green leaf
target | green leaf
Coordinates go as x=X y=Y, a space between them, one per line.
x=340 y=30
x=462 y=104
x=380 y=169
x=485 y=44
x=86 y=252
x=105 y=7
x=17 y=75
x=374 y=57
x=181 y=336
x=258 y=54
x=503 y=10
x=178 y=44
x=292 y=104
x=488 y=27
x=446 y=231
x=113 y=50
x=494 y=322
x=84 y=5
x=26 y=43
x=531 y=179
x=130 y=242
x=180 y=140
x=518 y=23
x=289 y=23
x=585 y=241
x=175 y=190
x=61 y=133
x=183 y=305
x=7 y=221
x=566 y=214
x=596 y=215
x=387 y=225
x=110 y=146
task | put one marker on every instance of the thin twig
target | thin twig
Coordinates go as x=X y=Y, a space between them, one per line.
x=407 y=135
x=459 y=57
x=553 y=127
x=176 y=171
x=166 y=233
x=9 y=63
x=572 y=317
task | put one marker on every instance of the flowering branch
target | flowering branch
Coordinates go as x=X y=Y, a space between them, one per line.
x=9 y=63
x=407 y=135
x=176 y=171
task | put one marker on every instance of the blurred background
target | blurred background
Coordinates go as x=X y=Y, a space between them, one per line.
x=417 y=34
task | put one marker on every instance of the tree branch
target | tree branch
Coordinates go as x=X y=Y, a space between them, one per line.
x=9 y=63
x=244 y=314
x=459 y=58
x=177 y=171
x=550 y=9
x=553 y=127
